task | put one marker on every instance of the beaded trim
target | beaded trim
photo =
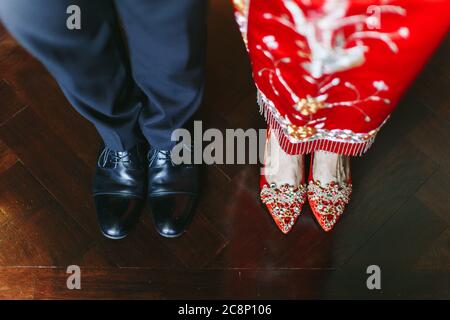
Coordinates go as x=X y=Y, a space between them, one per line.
x=284 y=203
x=329 y=201
x=304 y=140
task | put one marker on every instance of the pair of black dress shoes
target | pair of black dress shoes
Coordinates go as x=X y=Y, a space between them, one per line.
x=124 y=181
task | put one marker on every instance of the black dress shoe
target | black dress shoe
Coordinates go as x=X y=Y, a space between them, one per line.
x=173 y=191
x=120 y=189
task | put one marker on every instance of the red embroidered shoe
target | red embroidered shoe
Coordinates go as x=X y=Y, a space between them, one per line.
x=284 y=201
x=327 y=201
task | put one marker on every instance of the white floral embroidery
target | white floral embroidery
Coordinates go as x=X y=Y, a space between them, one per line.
x=380 y=85
x=323 y=32
x=328 y=50
x=271 y=42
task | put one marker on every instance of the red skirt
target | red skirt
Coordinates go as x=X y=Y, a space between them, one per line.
x=330 y=72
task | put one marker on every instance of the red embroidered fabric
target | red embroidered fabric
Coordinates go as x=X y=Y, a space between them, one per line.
x=330 y=72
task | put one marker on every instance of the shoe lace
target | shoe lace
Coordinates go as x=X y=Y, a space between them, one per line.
x=115 y=157
x=159 y=154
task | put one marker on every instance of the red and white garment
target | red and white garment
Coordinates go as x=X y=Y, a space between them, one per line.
x=330 y=72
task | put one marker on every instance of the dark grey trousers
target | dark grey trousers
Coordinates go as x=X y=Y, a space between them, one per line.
x=142 y=88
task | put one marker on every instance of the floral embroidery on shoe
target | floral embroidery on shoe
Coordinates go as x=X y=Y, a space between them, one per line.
x=328 y=202
x=284 y=203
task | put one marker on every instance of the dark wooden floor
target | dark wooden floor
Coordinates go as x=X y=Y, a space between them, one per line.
x=398 y=219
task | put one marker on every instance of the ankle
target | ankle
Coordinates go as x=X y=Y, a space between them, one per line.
x=328 y=167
